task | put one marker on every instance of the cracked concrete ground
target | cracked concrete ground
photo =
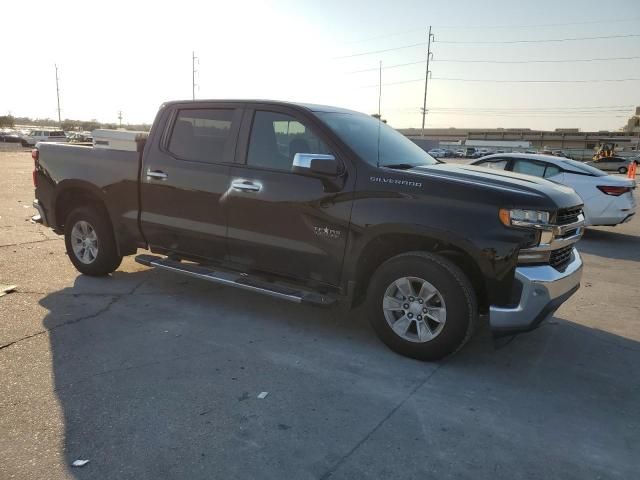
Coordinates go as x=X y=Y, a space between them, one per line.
x=151 y=375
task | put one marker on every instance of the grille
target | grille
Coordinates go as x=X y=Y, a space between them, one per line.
x=568 y=215
x=560 y=258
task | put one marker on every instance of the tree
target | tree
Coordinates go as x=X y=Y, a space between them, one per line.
x=7 y=121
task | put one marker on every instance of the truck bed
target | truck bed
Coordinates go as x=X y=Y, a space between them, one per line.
x=107 y=167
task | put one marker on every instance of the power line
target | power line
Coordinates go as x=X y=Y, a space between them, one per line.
x=454 y=60
x=466 y=27
x=486 y=42
x=421 y=62
x=527 y=115
x=371 y=52
x=479 y=80
x=574 y=60
x=585 y=107
x=601 y=80
x=536 y=25
x=546 y=40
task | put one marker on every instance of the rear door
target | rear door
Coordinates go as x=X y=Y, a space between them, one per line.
x=184 y=177
x=285 y=223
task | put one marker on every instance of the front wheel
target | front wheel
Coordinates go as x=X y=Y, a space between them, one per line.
x=90 y=242
x=622 y=170
x=421 y=305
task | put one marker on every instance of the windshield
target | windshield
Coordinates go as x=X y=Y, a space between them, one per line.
x=360 y=132
x=585 y=168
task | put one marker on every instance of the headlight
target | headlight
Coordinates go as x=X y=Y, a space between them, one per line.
x=524 y=218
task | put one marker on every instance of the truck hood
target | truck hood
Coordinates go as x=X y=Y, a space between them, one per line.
x=527 y=185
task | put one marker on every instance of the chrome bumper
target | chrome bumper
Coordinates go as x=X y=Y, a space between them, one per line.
x=544 y=289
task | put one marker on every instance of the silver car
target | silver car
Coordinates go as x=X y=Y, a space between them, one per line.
x=612 y=164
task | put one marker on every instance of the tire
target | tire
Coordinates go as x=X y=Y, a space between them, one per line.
x=453 y=290
x=622 y=170
x=99 y=256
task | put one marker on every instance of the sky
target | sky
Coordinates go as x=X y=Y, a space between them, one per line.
x=132 y=56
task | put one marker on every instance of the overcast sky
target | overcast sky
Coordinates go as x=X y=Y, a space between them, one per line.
x=132 y=56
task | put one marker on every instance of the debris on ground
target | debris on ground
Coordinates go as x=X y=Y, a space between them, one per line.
x=4 y=289
x=79 y=463
x=262 y=395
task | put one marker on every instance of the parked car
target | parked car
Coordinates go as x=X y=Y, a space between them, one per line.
x=437 y=152
x=560 y=153
x=471 y=152
x=608 y=200
x=459 y=153
x=80 y=137
x=612 y=164
x=9 y=136
x=36 y=136
x=351 y=211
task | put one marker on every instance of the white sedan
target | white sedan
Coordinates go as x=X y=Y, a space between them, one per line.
x=437 y=152
x=608 y=199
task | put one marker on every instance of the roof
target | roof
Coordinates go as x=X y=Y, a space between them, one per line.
x=307 y=106
x=529 y=156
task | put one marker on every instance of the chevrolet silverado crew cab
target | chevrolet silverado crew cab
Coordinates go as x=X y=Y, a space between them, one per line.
x=320 y=205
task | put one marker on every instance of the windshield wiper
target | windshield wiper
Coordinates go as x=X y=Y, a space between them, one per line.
x=399 y=166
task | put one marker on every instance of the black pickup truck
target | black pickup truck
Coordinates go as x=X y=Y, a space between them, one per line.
x=320 y=205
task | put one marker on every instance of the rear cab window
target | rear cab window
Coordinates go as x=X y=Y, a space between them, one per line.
x=204 y=134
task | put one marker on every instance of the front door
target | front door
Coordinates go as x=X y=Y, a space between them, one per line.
x=184 y=178
x=282 y=222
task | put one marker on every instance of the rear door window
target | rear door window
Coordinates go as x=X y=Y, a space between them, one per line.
x=204 y=135
x=529 y=167
x=497 y=164
x=551 y=171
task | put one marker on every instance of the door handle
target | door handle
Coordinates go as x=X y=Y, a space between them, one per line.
x=245 y=186
x=156 y=174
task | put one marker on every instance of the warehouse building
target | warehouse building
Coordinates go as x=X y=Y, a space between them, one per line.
x=570 y=140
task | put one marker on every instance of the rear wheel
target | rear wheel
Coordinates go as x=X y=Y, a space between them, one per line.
x=90 y=241
x=421 y=305
x=622 y=170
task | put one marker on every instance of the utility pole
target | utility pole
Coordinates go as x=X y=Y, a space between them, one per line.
x=120 y=117
x=380 y=93
x=193 y=74
x=58 y=96
x=426 y=77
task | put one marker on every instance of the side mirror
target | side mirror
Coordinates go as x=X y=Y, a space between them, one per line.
x=315 y=164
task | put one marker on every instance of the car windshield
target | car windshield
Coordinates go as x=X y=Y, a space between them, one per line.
x=585 y=168
x=361 y=133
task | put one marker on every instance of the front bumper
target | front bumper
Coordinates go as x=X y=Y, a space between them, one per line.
x=544 y=289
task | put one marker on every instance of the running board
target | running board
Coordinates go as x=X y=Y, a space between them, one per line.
x=238 y=280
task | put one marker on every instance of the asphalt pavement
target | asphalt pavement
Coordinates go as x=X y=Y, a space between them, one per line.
x=151 y=375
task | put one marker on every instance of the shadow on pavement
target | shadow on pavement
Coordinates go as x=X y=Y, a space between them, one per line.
x=610 y=244
x=161 y=380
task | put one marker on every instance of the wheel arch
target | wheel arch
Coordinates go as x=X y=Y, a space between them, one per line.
x=71 y=194
x=385 y=246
